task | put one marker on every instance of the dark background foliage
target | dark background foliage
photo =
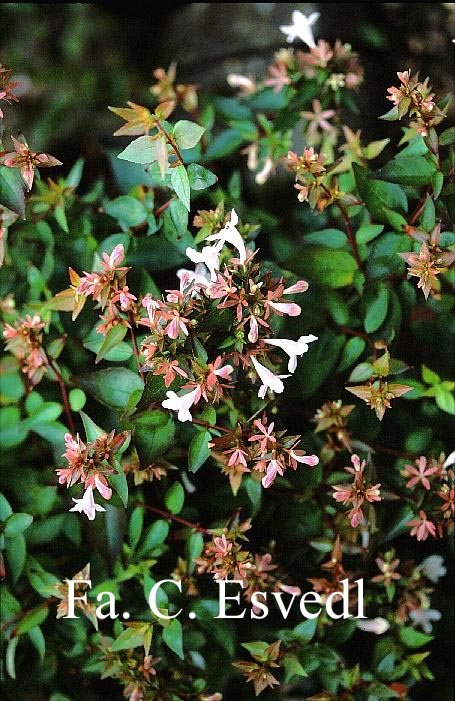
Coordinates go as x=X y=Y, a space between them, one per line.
x=75 y=59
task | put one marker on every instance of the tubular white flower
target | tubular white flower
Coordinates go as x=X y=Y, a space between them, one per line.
x=294 y=349
x=433 y=567
x=230 y=234
x=268 y=379
x=424 y=618
x=87 y=505
x=181 y=404
x=450 y=459
x=301 y=28
x=210 y=256
x=378 y=626
x=310 y=460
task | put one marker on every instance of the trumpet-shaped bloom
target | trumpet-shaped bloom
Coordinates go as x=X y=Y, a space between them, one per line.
x=210 y=256
x=268 y=378
x=294 y=349
x=378 y=626
x=87 y=505
x=182 y=403
x=301 y=28
x=230 y=234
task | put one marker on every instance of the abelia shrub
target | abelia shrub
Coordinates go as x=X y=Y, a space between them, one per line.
x=204 y=384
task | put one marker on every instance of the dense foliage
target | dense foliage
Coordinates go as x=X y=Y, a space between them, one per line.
x=199 y=388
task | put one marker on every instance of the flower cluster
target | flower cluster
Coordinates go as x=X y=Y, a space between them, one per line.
x=225 y=558
x=429 y=262
x=107 y=287
x=27 y=161
x=91 y=464
x=258 y=449
x=403 y=593
x=415 y=99
x=432 y=484
x=24 y=340
x=167 y=90
x=7 y=86
x=358 y=494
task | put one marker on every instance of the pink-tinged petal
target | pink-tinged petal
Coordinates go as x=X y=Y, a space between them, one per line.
x=289 y=308
x=103 y=488
x=300 y=286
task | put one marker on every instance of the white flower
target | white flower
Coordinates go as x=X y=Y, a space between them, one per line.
x=181 y=404
x=378 y=626
x=294 y=349
x=229 y=234
x=246 y=84
x=210 y=256
x=423 y=618
x=450 y=459
x=199 y=277
x=87 y=505
x=433 y=568
x=301 y=28
x=263 y=174
x=268 y=379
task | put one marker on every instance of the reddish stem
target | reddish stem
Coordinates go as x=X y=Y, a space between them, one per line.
x=135 y=347
x=163 y=207
x=173 y=517
x=64 y=394
x=360 y=334
x=351 y=237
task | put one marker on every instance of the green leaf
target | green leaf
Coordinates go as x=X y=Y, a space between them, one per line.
x=321 y=266
x=368 y=232
x=181 y=184
x=92 y=431
x=187 y=134
x=113 y=337
x=37 y=638
x=77 y=399
x=376 y=302
x=444 y=400
x=361 y=372
x=306 y=630
x=225 y=143
x=407 y=170
x=429 y=376
x=112 y=387
x=199 y=177
x=12 y=190
x=153 y=433
x=352 y=350
x=175 y=498
x=119 y=483
x=135 y=526
x=194 y=547
x=128 y=638
x=17 y=523
x=155 y=535
x=127 y=210
x=16 y=554
x=173 y=637
x=413 y=638
x=31 y=619
x=10 y=657
x=141 y=150
x=329 y=238
x=378 y=194
x=199 y=450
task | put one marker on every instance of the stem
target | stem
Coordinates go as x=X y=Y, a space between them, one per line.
x=170 y=141
x=64 y=394
x=207 y=425
x=351 y=237
x=163 y=207
x=173 y=517
x=135 y=348
x=360 y=334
